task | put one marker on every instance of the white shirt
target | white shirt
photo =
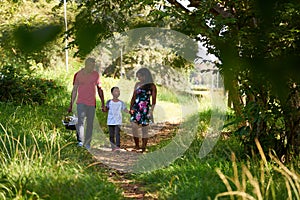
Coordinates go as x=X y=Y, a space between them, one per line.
x=114 y=116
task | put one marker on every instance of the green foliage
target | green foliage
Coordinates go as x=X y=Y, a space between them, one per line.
x=189 y=177
x=258 y=45
x=259 y=52
x=40 y=160
x=164 y=94
x=260 y=179
x=18 y=86
x=94 y=22
x=45 y=170
x=6 y=187
x=33 y=39
x=39 y=157
x=264 y=120
x=30 y=31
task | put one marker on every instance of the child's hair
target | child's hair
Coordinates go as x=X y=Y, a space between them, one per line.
x=112 y=89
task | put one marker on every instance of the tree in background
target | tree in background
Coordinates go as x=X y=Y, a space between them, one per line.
x=256 y=41
x=30 y=40
x=30 y=32
x=258 y=45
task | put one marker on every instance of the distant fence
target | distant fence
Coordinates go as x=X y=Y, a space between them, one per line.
x=204 y=80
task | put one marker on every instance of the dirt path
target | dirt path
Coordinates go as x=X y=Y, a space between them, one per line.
x=120 y=162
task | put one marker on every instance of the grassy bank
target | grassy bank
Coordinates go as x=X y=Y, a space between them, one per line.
x=40 y=159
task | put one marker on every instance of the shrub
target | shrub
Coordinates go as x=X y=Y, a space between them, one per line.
x=19 y=86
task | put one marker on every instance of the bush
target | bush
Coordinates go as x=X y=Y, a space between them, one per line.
x=19 y=86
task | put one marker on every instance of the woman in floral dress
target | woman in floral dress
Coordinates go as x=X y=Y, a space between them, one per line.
x=142 y=105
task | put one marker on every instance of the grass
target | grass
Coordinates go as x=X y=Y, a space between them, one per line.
x=223 y=175
x=261 y=179
x=40 y=160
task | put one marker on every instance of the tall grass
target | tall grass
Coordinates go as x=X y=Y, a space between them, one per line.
x=272 y=180
x=223 y=175
x=39 y=162
x=39 y=158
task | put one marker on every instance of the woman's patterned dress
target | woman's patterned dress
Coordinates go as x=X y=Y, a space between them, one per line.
x=142 y=106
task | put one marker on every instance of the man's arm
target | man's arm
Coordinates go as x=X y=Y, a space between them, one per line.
x=73 y=97
x=101 y=96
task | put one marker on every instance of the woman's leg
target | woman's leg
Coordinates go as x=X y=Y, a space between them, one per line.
x=135 y=133
x=145 y=130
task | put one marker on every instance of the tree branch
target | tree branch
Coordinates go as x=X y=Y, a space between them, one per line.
x=216 y=10
x=220 y=10
x=178 y=5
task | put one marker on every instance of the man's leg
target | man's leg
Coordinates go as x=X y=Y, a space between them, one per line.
x=80 y=125
x=90 y=115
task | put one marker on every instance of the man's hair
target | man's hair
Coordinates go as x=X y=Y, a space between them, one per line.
x=112 y=89
x=90 y=60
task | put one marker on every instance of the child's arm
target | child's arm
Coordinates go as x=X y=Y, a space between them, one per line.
x=124 y=108
x=106 y=107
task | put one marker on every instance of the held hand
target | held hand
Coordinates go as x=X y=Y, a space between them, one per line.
x=104 y=109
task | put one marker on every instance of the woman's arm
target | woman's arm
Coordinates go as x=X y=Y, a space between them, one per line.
x=153 y=92
x=133 y=98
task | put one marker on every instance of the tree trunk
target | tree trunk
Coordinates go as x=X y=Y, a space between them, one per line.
x=234 y=99
x=292 y=120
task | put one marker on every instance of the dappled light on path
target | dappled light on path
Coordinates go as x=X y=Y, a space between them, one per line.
x=123 y=160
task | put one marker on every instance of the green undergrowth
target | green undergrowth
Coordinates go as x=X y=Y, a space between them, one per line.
x=40 y=159
x=225 y=173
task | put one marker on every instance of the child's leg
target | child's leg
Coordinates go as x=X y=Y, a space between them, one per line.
x=117 y=133
x=111 y=129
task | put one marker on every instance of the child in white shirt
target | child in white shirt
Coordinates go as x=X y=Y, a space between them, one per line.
x=114 y=117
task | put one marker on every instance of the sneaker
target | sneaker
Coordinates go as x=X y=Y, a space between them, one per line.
x=80 y=144
x=88 y=147
x=116 y=149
